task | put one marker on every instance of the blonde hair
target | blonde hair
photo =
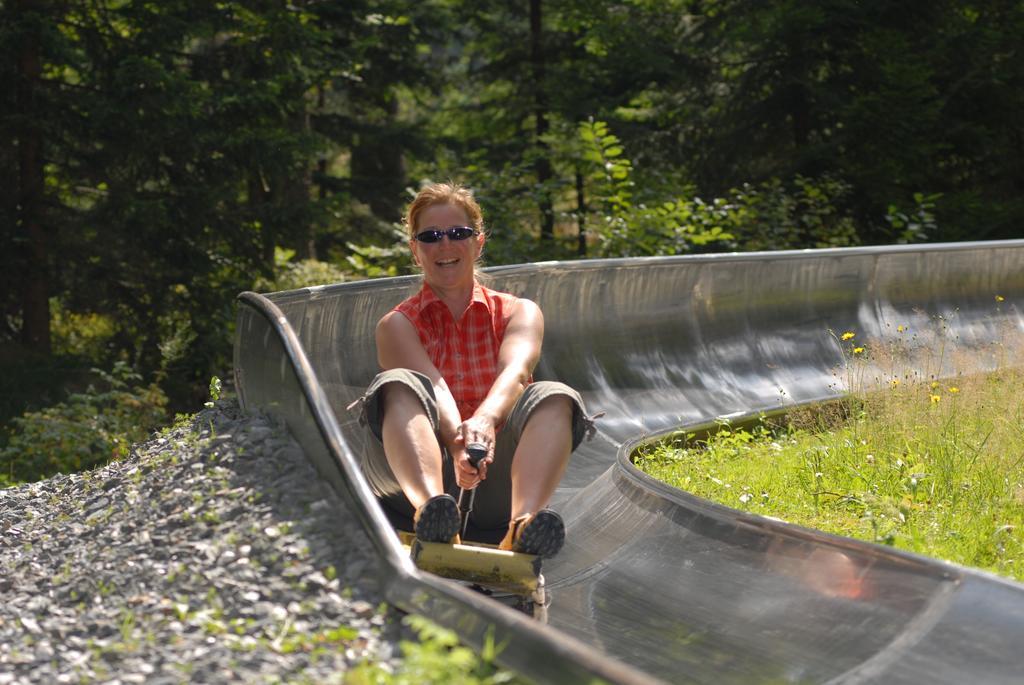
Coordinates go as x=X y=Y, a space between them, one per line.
x=443 y=194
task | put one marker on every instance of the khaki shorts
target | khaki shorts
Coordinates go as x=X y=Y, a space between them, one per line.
x=493 y=504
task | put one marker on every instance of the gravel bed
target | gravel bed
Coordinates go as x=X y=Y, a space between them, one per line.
x=212 y=554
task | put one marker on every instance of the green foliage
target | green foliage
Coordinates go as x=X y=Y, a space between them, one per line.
x=362 y=261
x=866 y=91
x=85 y=335
x=373 y=261
x=86 y=430
x=31 y=381
x=215 y=390
x=805 y=213
x=769 y=216
x=918 y=223
x=669 y=226
x=176 y=333
x=184 y=142
x=291 y=275
x=437 y=657
x=608 y=171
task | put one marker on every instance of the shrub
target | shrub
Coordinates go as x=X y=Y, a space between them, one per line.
x=88 y=429
x=292 y=275
x=374 y=261
x=769 y=216
x=86 y=335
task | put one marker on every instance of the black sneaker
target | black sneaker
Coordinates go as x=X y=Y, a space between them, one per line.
x=438 y=520
x=541 y=534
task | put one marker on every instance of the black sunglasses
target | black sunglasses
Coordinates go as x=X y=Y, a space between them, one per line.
x=434 y=235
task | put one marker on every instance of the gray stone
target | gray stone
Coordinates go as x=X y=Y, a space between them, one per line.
x=30 y=624
x=149 y=593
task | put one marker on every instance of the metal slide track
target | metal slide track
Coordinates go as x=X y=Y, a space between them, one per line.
x=655 y=584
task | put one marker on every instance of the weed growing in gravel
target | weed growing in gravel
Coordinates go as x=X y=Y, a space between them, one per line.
x=215 y=390
x=331 y=638
x=103 y=587
x=926 y=464
x=437 y=657
x=64 y=575
x=127 y=627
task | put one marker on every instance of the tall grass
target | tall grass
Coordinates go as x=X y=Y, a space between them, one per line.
x=926 y=465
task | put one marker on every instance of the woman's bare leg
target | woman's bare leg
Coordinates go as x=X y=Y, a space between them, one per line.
x=410 y=444
x=542 y=455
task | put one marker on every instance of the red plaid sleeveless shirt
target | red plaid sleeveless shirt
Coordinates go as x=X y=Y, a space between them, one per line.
x=464 y=351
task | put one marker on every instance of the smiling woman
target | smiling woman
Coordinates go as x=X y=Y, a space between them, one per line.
x=457 y=361
x=445 y=248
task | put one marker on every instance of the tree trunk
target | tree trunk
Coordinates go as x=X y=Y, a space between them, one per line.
x=320 y=174
x=259 y=208
x=378 y=164
x=542 y=165
x=796 y=94
x=307 y=241
x=581 y=216
x=35 y=331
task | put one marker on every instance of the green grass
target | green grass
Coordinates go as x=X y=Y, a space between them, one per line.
x=929 y=467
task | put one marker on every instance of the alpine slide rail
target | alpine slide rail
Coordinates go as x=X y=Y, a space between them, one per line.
x=654 y=584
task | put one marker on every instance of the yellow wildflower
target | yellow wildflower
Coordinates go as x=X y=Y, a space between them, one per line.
x=847 y=335
x=953 y=389
x=999 y=298
x=935 y=398
x=901 y=328
x=935 y=384
x=894 y=382
x=858 y=350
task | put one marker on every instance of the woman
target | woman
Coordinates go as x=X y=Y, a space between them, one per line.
x=458 y=360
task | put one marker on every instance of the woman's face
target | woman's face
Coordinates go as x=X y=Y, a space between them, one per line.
x=447 y=263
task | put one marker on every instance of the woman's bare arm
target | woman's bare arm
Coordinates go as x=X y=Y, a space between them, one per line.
x=517 y=357
x=399 y=347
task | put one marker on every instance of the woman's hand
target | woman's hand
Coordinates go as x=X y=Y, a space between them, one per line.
x=477 y=430
x=465 y=475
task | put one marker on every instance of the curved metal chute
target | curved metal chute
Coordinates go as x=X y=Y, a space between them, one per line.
x=654 y=583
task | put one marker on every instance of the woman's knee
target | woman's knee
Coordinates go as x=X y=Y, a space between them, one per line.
x=565 y=403
x=555 y=407
x=397 y=394
x=399 y=391
x=551 y=399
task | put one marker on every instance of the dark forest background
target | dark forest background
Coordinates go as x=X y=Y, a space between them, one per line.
x=158 y=158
